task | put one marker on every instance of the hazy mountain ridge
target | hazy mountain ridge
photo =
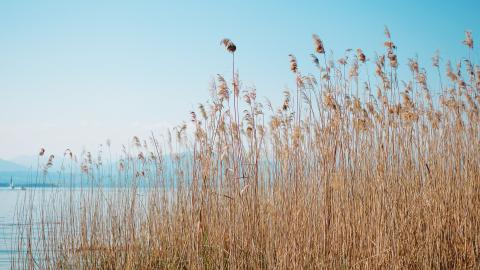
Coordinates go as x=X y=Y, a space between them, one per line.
x=9 y=166
x=28 y=171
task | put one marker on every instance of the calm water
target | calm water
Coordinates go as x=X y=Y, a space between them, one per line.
x=8 y=224
x=8 y=203
x=8 y=200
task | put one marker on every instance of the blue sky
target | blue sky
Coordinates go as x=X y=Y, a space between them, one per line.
x=74 y=73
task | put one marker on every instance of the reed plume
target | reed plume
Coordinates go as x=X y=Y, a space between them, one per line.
x=334 y=181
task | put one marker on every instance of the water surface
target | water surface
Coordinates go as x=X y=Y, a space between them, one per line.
x=8 y=201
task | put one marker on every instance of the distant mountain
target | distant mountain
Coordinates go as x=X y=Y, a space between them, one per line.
x=34 y=162
x=28 y=171
x=22 y=175
x=8 y=166
x=25 y=161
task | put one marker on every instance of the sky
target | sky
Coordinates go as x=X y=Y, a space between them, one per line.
x=75 y=73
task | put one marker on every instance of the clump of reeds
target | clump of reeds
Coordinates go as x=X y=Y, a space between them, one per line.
x=387 y=181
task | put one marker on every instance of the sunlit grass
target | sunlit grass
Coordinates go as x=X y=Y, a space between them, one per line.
x=348 y=172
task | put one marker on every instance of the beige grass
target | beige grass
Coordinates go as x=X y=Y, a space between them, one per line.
x=386 y=178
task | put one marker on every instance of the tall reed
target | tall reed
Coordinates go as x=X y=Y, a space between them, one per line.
x=387 y=181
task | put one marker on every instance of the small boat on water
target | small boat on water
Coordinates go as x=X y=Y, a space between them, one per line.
x=12 y=186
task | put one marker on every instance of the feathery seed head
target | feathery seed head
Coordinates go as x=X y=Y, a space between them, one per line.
x=413 y=64
x=229 y=45
x=317 y=42
x=293 y=63
x=361 y=56
x=315 y=60
x=387 y=32
x=468 y=39
x=393 y=59
x=436 y=59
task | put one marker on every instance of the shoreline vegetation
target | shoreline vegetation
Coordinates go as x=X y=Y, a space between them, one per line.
x=348 y=172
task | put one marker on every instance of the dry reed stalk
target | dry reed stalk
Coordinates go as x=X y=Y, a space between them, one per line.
x=375 y=184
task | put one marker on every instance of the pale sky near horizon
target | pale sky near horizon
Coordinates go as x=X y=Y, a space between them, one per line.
x=74 y=73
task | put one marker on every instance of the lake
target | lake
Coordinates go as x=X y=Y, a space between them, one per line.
x=9 y=200
x=8 y=225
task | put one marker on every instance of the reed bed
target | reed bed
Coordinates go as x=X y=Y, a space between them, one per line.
x=354 y=170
